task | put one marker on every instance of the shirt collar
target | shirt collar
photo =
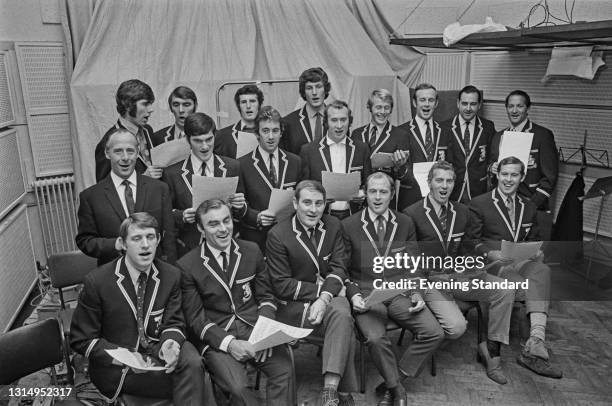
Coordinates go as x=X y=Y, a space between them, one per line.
x=520 y=126
x=245 y=128
x=374 y=216
x=196 y=163
x=421 y=122
x=437 y=206
x=118 y=181
x=311 y=112
x=266 y=155
x=178 y=131
x=379 y=128
x=217 y=252
x=330 y=142
x=462 y=121
x=505 y=197
x=131 y=127
x=134 y=273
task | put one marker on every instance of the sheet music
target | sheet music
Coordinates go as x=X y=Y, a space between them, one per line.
x=133 y=360
x=515 y=143
x=208 y=187
x=170 y=152
x=381 y=295
x=420 y=171
x=382 y=160
x=246 y=143
x=281 y=203
x=341 y=186
x=520 y=251
x=269 y=333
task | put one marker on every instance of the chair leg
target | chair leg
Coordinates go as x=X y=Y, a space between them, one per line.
x=257 y=379
x=362 y=369
x=294 y=381
x=434 y=369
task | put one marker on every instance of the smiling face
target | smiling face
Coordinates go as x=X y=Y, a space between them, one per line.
x=468 y=105
x=517 y=109
x=380 y=111
x=140 y=245
x=122 y=151
x=425 y=103
x=202 y=145
x=217 y=227
x=310 y=206
x=315 y=94
x=379 y=195
x=144 y=108
x=248 y=106
x=269 y=135
x=509 y=177
x=337 y=123
x=181 y=108
x=441 y=185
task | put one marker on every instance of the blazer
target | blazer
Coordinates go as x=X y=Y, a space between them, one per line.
x=226 y=140
x=254 y=172
x=103 y=164
x=362 y=247
x=101 y=214
x=470 y=166
x=489 y=222
x=316 y=159
x=299 y=271
x=178 y=178
x=164 y=135
x=218 y=304
x=543 y=165
x=297 y=131
x=105 y=318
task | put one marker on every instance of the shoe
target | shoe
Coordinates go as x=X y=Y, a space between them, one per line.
x=538 y=365
x=535 y=346
x=492 y=365
x=329 y=397
x=387 y=399
x=346 y=400
x=392 y=399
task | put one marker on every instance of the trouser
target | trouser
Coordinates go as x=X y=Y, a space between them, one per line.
x=537 y=297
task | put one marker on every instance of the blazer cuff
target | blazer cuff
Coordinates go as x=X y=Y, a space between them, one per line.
x=225 y=343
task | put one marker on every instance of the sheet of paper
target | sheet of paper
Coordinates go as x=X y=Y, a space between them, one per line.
x=520 y=251
x=128 y=358
x=170 y=152
x=341 y=186
x=281 y=203
x=207 y=187
x=246 y=143
x=381 y=295
x=269 y=333
x=515 y=143
x=420 y=171
x=382 y=160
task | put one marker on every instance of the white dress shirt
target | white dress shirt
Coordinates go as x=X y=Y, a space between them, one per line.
x=217 y=256
x=120 y=188
x=337 y=153
x=196 y=164
x=421 y=124
x=312 y=119
x=266 y=158
x=135 y=274
x=472 y=125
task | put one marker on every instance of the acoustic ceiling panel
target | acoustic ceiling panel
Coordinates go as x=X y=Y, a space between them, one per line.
x=51 y=144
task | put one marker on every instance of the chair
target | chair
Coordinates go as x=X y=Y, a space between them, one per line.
x=31 y=348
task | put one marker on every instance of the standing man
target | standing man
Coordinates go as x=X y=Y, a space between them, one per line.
x=225 y=290
x=377 y=232
x=440 y=230
x=134 y=303
x=543 y=165
x=428 y=143
x=267 y=167
x=105 y=205
x=469 y=144
x=134 y=105
x=248 y=99
x=306 y=262
x=336 y=152
x=503 y=214
x=305 y=125
x=182 y=102
x=200 y=132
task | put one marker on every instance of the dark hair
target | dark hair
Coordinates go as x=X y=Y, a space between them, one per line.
x=198 y=124
x=139 y=220
x=424 y=86
x=381 y=175
x=119 y=131
x=248 y=89
x=511 y=160
x=382 y=94
x=338 y=105
x=313 y=185
x=129 y=92
x=183 y=92
x=443 y=165
x=209 y=205
x=470 y=89
x=268 y=113
x=314 y=75
x=519 y=93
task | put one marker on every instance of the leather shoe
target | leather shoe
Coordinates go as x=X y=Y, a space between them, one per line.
x=538 y=365
x=346 y=400
x=535 y=346
x=392 y=399
x=492 y=364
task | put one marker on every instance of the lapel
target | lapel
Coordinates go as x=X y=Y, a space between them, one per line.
x=237 y=127
x=369 y=228
x=382 y=138
x=141 y=193
x=226 y=280
x=305 y=123
x=302 y=238
x=187 y=174
x=456 y=130
x=363 y=134
x=416 y=135
x=434 y=221
x=113 y=197
x=325 y=154
x=283 y=164
x=528 y=128
x=169 y=133
x=475 y=137
x=519 y=208
x=350 y=154
x=260 y=166
x=151 y=293
x=219 y=170
x=436 y=138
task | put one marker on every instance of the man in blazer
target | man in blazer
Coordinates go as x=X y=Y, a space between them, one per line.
x=267 y=167
x=182 y=102
x=384 y=138
x=440 y=231
x=306 y=264
x=378 y=232
x=200 y=133
x=225 y=289
x=134 y=303
x=427 y=141
x=134 y=105
x=336 y=152
x=305 y=125
x=248 y=99
x=469 y=145
x=503 y=214
x=106 y=204
x=543 y=165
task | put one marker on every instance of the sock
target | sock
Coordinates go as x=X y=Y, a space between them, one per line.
x=494 y=348
x=538 y=325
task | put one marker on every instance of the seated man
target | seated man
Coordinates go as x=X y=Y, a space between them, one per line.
x=306 y=264
x=134 y=303
x=376 y=232
x=502 y=214
x=267 y=167
x=182 y=102
x=440 y=230
x=225 y=290
x=106 y=204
